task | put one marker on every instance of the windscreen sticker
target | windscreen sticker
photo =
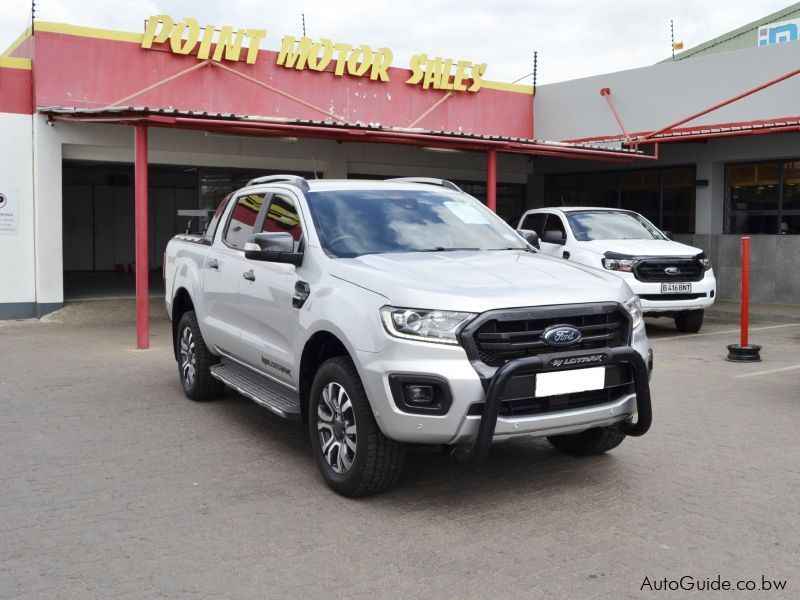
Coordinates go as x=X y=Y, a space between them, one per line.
x=468 y=214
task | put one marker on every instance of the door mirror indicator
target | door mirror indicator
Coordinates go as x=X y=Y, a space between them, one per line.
x=529 y=236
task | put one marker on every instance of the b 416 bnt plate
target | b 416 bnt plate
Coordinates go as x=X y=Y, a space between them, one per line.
x=568 y=382
x=676 y=288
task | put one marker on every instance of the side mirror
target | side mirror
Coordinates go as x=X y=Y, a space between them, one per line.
x=551 y=236
x=669 y=234
x=529 y=236
x=273 y=247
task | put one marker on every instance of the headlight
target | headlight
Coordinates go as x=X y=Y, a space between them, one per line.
x=619 y=264
x=706 y=262
x=424 y=325
x=634 y=307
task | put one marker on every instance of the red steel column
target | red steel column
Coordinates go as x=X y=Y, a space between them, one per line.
x=142 y=263
x=745 y=290
x=491 y=179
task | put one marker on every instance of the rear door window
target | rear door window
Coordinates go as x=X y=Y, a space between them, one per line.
x=243 y=220
x=214 y=222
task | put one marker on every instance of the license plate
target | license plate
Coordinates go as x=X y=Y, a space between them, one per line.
x=569 y=382
x=676 y=288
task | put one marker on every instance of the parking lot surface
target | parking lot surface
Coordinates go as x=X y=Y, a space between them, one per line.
x=115 y=485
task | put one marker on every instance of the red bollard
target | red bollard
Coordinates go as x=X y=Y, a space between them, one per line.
x=743 y=352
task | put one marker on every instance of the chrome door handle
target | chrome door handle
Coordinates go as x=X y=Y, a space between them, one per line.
x=249 y=275
x=213 y=264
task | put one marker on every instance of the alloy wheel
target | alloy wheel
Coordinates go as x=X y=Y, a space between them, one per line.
x=188 y=357
x=336 y=427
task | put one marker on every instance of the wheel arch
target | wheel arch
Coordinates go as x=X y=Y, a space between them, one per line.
x=320 y=347
x=181 y=304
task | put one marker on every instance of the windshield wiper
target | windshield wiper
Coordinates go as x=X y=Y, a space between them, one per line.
x=525 y=248
x=441 y=249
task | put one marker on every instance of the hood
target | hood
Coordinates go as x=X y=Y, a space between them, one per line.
x=641 y=247
x=478 y=281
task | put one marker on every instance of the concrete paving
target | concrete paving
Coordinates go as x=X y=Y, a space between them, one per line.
x=113 y=484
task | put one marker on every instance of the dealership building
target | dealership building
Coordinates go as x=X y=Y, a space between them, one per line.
x=116 y=138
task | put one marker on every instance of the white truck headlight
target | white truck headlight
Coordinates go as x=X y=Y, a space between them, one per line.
x=634 y=307
x=441 y=326
x=619 y=264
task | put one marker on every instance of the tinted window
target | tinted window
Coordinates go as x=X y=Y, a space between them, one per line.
x=214 y=222
x=243 y=219
x=534 y=222
x=355 y=222
x=554 y=224
x=282 y=216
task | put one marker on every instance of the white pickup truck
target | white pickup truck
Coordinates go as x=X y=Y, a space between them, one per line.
x=671 y=279
x=387 y=313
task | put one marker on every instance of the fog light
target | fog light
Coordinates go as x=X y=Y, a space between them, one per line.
x=419 y=394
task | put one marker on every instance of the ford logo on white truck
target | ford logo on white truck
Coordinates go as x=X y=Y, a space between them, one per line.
x=562 y=335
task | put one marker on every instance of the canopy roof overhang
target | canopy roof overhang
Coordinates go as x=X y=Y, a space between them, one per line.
x=236 y=124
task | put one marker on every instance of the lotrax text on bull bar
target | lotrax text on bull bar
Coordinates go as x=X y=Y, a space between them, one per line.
x=472 y=454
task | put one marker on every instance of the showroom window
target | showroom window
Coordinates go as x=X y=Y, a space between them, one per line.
x=664 y=196
x=763 y=198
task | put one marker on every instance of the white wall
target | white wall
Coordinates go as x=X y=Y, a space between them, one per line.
x=17 y=284
x=652 y=97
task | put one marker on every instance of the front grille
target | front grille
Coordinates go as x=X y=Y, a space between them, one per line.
x=523 y=407
x=653 y=269
x=506 y=335
x=672 y=296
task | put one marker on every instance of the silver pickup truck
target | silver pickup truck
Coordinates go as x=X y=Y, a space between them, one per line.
x=389 y=313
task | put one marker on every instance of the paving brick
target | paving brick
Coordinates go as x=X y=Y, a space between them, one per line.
x=114 y=485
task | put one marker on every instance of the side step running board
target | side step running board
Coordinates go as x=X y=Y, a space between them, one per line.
x=282 y=402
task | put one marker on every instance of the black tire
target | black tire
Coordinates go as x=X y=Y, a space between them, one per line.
x=689 y=321
x=377 y=461
x=590 y=442
x=201 y=386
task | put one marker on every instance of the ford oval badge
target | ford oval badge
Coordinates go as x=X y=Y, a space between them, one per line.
x=562 y=335
x=672 y=271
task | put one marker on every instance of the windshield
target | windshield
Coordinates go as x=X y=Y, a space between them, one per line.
x=611 y=225
x=355 y=222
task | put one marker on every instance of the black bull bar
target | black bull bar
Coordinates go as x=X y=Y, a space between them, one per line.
x=471 y=454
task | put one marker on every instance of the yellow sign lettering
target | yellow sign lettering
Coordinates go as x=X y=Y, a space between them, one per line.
x=255 y=36
x=477 y=77
x=150 y=34
x=417 y=72
x=179 y=46
x=341 y=62
x=292 y=56
x=188 y=37
x=381 y=60
x=359 y=60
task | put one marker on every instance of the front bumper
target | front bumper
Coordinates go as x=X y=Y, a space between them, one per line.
x=653 y=301
x=467 y=389
x=487 y=429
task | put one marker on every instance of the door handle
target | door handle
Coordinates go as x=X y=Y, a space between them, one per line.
x=213 y=264
x=249 y=275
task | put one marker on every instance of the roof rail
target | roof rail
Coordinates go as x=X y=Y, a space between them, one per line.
x=291 y=179
x=430 y=181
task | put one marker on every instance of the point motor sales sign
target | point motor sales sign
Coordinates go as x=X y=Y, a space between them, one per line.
x=209 y=43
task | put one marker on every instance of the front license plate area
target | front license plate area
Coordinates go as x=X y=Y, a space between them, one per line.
x=569 y=382
x=676 y=288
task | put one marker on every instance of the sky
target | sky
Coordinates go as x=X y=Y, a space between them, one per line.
x=573 y=38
